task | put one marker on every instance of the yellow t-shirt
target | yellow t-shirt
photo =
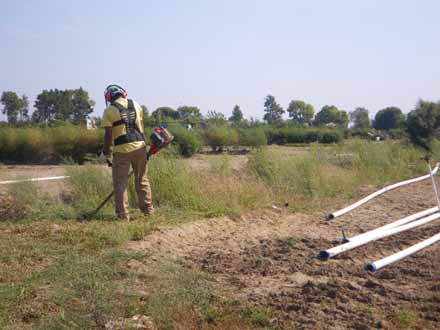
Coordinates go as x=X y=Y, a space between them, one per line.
x=111 y=115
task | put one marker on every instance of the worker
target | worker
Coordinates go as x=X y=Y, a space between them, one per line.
x=124 y=129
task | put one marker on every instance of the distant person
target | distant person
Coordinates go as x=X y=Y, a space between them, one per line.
x=90 y=123
x=124 y=129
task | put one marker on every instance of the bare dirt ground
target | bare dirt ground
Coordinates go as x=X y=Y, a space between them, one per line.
x=269 y=260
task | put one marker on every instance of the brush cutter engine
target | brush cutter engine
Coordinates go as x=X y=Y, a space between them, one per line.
x=160 y=138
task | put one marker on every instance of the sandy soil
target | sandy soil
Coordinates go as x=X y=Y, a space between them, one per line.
x=270 y=260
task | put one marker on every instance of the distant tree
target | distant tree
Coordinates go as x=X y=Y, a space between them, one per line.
x=237 y=115
x=389 y=118
x=63 y=105
x=216 y=118
x=166 y=113
x=189 y=114
x=331 y=114
x=360 y=119
x=14 y=107
x=70 y=105
x=82 y=105
x=24 y=110
x=273 y=111
x=300 y=112
x=44 y=107
x=423 y=123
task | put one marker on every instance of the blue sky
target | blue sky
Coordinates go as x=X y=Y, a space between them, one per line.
x=215 y=54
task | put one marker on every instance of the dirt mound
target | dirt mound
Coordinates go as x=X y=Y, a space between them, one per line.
x=270 y=260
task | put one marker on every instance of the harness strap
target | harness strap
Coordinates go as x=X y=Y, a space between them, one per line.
x=128 y=118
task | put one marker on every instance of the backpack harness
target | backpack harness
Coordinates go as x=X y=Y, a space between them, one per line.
x=128 y=118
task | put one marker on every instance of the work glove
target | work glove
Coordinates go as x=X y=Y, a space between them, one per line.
x=106 y=158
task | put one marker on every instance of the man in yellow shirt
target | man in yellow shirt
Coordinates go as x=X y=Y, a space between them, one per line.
x=124 y=129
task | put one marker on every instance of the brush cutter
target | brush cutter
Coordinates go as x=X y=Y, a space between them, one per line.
x=160 y=138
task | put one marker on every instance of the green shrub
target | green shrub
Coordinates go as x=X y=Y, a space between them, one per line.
x=357 y=132
x=397 y=133
x=188 y=142
x=293 y=135
x=252 y=137
x=48 y=145
x=219 y=137
x=334 y=136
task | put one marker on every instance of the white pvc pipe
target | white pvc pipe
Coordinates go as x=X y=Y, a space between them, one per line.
x=434 y=185
x=397 y=223
x=35 y=179
x=325 y=254
x=402 y=254
x=380 y=192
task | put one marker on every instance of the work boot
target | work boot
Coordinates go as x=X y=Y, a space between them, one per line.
x=149 y=211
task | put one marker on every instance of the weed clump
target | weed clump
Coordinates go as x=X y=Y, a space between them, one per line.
x=20 y=202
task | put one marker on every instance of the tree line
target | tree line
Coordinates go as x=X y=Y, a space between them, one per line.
x=75 y=105
x=303 y=114
x=70 y=105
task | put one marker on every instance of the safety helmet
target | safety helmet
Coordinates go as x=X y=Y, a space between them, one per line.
x=113 y=91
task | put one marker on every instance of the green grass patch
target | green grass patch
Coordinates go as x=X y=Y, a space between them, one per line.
x=305 y=181
x=406 y=319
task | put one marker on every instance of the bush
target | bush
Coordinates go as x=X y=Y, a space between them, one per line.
x=188 y=142
x=219 y=137
x=397 y=133
x=290 y=135
x=357 y=133
x=48 y=145
x=252 y=137
x=423 y=123
x=334 y=136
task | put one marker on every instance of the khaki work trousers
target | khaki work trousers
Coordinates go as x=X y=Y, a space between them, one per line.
x=120 y=170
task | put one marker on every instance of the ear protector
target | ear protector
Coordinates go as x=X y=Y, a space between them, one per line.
x=108 y=95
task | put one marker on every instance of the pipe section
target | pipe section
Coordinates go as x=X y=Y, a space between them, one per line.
x=380 y=192
x=397 y=223
x=434 y=185
x=326 y=254
x=402 y=254
x=35 y=179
